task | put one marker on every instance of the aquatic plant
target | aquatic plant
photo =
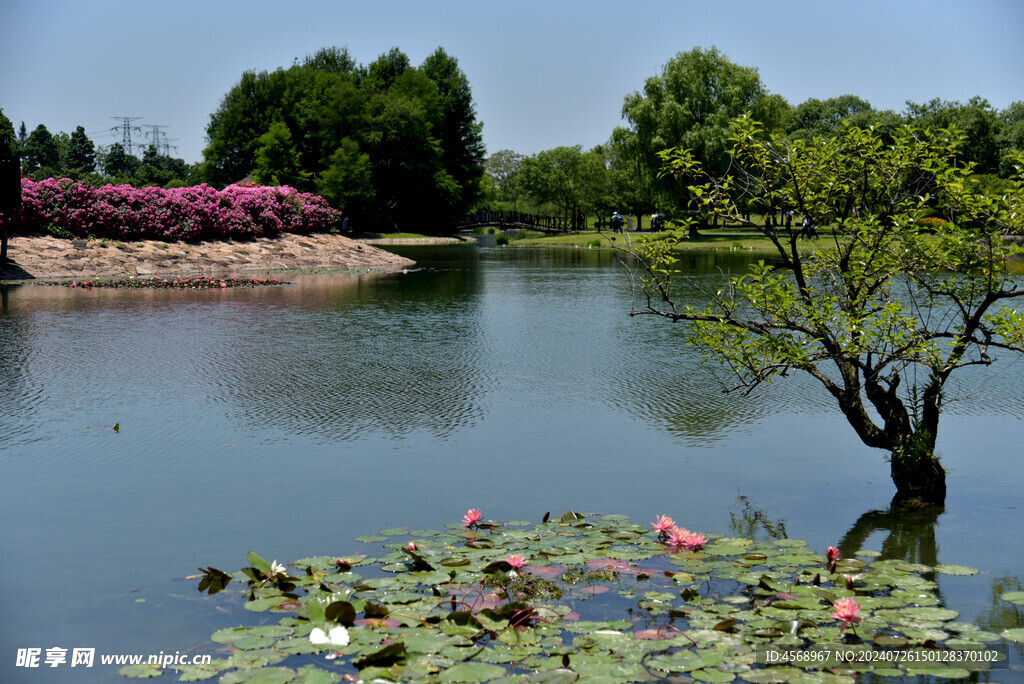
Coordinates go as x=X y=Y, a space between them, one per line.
x=157 y=282
x=454 y=605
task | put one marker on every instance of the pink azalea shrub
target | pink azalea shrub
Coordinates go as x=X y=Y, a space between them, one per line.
x=123 y=212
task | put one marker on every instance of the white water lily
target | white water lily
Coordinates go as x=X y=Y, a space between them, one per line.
x=338 y=636
x=277 y=571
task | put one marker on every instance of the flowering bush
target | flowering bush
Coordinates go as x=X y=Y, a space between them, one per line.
x=932 y=222
x=69 y=209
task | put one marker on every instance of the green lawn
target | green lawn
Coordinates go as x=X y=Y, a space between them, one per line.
x=392 y=236
x=710 y=239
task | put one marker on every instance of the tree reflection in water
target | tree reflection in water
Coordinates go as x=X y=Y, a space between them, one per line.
x=911 y=534
x=911 y=537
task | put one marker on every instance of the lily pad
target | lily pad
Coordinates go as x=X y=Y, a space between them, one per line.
x=456 y=606
x=141 y=671
x=1013 y=634
x=471 y=672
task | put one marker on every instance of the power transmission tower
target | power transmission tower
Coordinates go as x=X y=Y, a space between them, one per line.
x=168 y=146
x=157 y=138
x=126 y=130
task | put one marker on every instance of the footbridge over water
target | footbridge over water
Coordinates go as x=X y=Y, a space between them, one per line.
x=516 y=219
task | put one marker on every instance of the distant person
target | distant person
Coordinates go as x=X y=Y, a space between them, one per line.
x=617 y=221
x=629 y=223
x=809 y=230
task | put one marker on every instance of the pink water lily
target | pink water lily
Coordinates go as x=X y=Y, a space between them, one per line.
x=695 y=541
x=515 y=560
x=846 y=612
x=663 y=526
x=677 y=537
x=832 y=555
x=472 y=517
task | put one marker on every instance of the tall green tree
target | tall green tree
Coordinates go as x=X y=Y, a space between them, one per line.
x=348 y=179
x=977 y=119
x=411 y=187
x=8 y=140
x=80 y=155
x=885 y=310
x=1011 y=136
x=565 y=178
x=40 y=156
x=689 y=105
x=277 y=159
x=413 y=129
x=629 y=189
x=827 y=117
x=245 y=114
x=117 y=163
x=460 y=134
x=157 y=169
x=503 y=168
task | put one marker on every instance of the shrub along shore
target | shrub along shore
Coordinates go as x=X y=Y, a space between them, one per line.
x=67 y=229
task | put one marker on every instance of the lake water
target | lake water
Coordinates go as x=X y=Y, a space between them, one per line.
x=291 y=420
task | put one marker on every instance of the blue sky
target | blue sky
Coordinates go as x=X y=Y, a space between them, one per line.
x=543 y=74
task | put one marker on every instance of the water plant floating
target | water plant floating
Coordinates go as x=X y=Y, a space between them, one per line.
x=156 y=282
x=591 y=598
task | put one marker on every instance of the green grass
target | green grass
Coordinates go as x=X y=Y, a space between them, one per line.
x=729 y=240
x=394 y=236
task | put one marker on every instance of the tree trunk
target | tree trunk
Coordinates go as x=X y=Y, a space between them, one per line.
x=919 y=478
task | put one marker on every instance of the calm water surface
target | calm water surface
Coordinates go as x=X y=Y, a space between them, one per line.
x=291 y=420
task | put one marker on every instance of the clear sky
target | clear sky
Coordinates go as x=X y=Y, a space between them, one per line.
x=543 y=74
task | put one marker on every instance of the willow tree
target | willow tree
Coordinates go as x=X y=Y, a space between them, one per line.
x=907 y=284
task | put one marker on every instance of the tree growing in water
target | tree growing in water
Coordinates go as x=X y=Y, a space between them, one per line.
x=909 y=284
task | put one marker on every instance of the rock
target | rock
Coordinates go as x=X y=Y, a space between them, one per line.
x=43 y=256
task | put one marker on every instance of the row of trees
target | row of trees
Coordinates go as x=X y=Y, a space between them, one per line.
x=392 y=144
x=75 y=156
x=395 y=145
x=690 y=106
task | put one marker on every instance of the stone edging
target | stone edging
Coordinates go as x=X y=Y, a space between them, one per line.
x=43 y=256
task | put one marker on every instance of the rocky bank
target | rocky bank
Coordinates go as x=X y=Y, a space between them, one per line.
x=46 y=257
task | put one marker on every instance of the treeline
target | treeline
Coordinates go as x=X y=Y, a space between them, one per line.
x=397 y=146
x=391 y=144
x=689 y=106
x=47 y=155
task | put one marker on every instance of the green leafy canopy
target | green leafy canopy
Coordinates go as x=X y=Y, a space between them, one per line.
x=910 y=280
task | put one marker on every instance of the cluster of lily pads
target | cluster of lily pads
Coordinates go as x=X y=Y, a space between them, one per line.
x=196 y=283
x=589 y=598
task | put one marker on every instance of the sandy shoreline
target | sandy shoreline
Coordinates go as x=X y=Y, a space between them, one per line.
x=46 y=257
